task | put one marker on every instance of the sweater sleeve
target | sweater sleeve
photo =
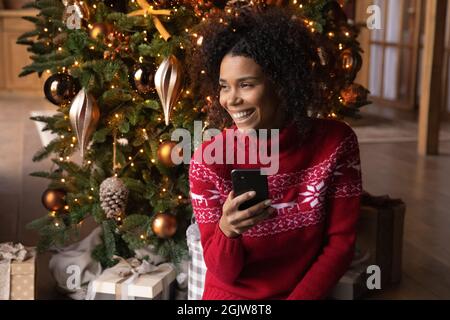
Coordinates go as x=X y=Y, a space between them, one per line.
x=343 y=208
x=224 y=257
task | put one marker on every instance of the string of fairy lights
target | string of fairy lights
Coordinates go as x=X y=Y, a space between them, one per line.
x=115 y=44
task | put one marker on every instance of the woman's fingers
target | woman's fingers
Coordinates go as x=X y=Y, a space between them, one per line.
x=252 y=211
x=246 y=224
x=237 y=201
x=240 y=221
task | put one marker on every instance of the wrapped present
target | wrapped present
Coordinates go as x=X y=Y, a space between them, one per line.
x=379 y=242
x=134 y=279
x=352 y=285
x=380 y=233
x=197 y=268
x=17 y=272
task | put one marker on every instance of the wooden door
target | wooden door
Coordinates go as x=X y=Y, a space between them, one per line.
x=394 y=54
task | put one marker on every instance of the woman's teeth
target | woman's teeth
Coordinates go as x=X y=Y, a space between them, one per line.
x=242 y=115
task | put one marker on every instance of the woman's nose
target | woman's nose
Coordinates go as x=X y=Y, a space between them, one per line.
x=234 y=99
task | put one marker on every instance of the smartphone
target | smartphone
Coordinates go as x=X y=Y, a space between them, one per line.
x=245 y=180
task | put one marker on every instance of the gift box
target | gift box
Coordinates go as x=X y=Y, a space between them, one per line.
x=352 y=285
x=17 y=272
x=127 y=282
x=379 y=242
x=197 y=268
x=380 y=233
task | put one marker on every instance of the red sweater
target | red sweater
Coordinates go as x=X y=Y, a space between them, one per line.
x=303 y=250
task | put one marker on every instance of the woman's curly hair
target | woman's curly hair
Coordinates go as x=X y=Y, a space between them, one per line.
x=277 y=41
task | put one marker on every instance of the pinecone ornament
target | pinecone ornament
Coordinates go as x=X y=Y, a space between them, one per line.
x=113 y=197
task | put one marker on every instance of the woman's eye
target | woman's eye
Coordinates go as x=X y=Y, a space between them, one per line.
x=244 y=85
x=222 y=87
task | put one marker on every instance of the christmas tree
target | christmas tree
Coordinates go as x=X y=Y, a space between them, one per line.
x=117 y=77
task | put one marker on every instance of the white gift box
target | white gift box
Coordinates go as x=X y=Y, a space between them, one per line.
x=156 y=284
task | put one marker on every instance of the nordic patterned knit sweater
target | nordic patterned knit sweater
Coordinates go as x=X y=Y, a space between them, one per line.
x=303 y=250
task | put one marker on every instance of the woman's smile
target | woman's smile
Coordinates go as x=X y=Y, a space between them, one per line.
x=247 y=94
x=243 y=116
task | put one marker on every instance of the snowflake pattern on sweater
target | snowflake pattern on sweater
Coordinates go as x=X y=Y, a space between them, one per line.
x=313 y=185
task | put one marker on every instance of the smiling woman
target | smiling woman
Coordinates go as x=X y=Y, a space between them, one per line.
x=247 y=94
x=257 y=71
x=275 y=49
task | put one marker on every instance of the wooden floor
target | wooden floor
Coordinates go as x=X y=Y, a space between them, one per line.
x=423 y=183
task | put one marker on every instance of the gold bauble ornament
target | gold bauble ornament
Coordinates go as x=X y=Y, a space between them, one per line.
x=104 y=29
x=164 y=225
x=84 y=116
x=168 y=84
x=165 y=151
x=54 y=199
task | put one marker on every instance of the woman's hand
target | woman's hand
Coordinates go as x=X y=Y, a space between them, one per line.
x=234 y=222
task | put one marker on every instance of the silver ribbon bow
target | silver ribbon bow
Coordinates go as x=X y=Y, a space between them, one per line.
x=10 y=251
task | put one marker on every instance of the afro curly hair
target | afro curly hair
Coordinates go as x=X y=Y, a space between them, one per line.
x=277 y=41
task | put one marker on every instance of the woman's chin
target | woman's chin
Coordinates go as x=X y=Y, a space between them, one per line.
x=246 y=126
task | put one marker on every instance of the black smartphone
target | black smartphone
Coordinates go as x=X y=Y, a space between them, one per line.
x=245 y=180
